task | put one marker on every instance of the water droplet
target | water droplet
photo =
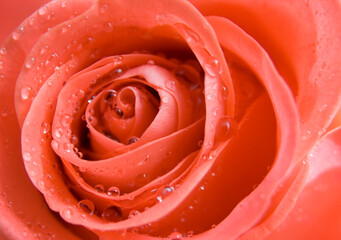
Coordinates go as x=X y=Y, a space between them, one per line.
x=171 y=85
x=58 y=132
x=66 y=213
x=25 y=93
x=190 y=233
x=190 y=35
x=175 y=236
x=4 y=111
x=213 y=67
x=42 y=10
x=30 y=62
x=112 y=214
x=27 y=156
x=92 y=120
x=16 y=35
x=3 y=51
x=161 y=19
x=134 y=230
x=202 y=187
x=132 y=140
x=66 y=120
x=165 y=99
x=163 y=192
x=151 y=62
x=225 y=127
x=213 y=226
x=108 y=27
x=113 y=191
x=68 y=147
x=103 y=8
x=133 y=213
x=99 y=188
x=118 y=112
x=64 y=4
x=87 y=205
x=117 y=60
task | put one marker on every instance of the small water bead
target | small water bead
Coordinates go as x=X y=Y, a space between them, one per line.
x=117 y=60
x=213 y=67
x=25 y=93
x=225 y=127
x=58 y=132
x=118 y=112
x=68 y=147
x=171 y=85
x=163 y=192
x=190 y=233
x=27 y=156
x=103 y=9
x=165 y=99
x=190 y=35
x=133 y=213
x=30 y=62
x=66 y=120
x=66 y=213
x=87 y=205
x=132 y=140
x=42 y=10
x=151 y=62
x=99 y=188
x=112 y=214
x=113 y=191
x=3 y=51
x=175 y=236
x=108 y=27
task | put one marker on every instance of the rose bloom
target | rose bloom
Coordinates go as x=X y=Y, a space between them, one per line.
x=159 y=119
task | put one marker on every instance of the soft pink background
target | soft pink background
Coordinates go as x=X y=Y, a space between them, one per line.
x=13 y=12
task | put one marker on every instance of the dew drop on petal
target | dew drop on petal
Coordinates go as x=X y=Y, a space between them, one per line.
x=113 y=191
x=175 y=236
x=108 y=27
x=133 y=213
x=225 y=127
x=212 y=67
x=112 y=214
x=87 y=205
x=30 y=62
x=58 y=132
x=190 y=233
x=45 y=128
x=27 y=156
x=132 y=140
x=170 y=85
x=99 y=188
x=66 y=120
x=42 y=10
x=103 y=8
x=25 y=93
x=66 y=213
x=3 y=51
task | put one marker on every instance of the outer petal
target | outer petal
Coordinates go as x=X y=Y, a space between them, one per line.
x=303 y=39
x=317 y=212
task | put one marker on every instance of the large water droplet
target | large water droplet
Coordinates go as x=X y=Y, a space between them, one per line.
x=163 y=192
x=87 y=205
x=58 y=132
x=113 y=191
x=213 y=67
x=112 y=214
